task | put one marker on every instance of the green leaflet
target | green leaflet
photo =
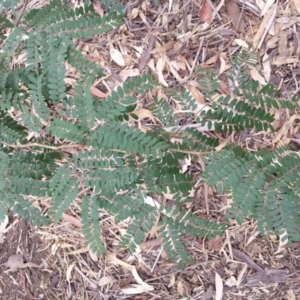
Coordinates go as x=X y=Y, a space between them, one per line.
x=64 y=191
x=90 y=224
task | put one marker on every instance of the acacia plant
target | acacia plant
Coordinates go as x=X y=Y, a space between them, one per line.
x=117 y=167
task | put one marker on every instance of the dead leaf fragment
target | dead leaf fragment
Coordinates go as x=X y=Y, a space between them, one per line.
x=144 y=113
x=181 y=289
x=139 y=288
x=97 y=93
x=215 y=244
x=264 y=27
x=246 y=259
x=282 y=45
x=16 y=262
x=256 y=76
x=208 y=294
x=196 y=94
x=98 y=8
x=3 y=229
x=205 y=12
x=146 y=54
x=134 y=13
x=164 y=48
x=160 y=65
x=106 y=280
x=235 y=15
x=278 y=61
x=290 y=295
x=117 y=57
x=219 y=287
x=297 y=5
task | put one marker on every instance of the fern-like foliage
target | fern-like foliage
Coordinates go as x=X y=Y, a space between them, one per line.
x=243 y=108
x=117 y=166
x=90 y=224
x=20 y=178
x=262 y=185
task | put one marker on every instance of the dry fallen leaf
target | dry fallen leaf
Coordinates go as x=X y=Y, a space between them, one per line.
x=290 y=295
x=205 y=12
x=134 y=13
x=297 y=5
x=117 y=57
x=256 y=76
x=278 y=61
x=146 y=54
x=219 y=287
x=3 y=229
x=69 y=272
x=98 y=8
x=264 y=27
x=180 y=289
x=164 y=48
x=235 y=15
x=282 y=45
x=127 y=73
x=246 y=259
x=97 y=93
x=144 y=113
x=208 y=294
x=106 y=280
x=160 y=65
x=139 y=288
x=266 y=67
x=196 y=94
x=16 y=261
x=215 y=244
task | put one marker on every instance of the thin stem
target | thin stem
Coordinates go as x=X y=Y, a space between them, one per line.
x=190 y=152
x=43 y=146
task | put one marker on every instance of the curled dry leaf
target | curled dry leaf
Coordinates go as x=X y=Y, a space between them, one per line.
x=16 y=262
x=205 y=12
x=160 y=65
x=144 y=113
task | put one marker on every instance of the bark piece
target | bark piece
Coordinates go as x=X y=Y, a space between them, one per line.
x=267 y=277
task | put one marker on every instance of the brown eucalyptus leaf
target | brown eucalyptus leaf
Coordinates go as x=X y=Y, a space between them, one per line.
x=235 y=15
x=146 y=54
x=205 y=12
x=246 y=259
